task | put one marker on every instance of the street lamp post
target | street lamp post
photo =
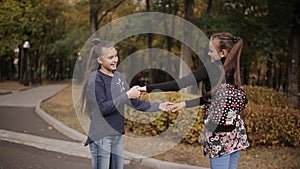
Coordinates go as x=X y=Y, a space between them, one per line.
x=26 y=47
x=79 y=59
x=17 y=61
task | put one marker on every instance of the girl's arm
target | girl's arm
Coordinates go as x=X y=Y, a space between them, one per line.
x=150 y=106
x=107 y=106
x=144 y=106
x=189 y=103
x=198 y=75
x=105 y=103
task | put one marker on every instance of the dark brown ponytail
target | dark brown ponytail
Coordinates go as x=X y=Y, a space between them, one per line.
x=232 y=62
x=233 y=45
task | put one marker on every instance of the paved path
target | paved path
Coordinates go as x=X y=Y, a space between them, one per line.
x=30 y=97
x=25 y=120
x=29 y=137
x=19 y=156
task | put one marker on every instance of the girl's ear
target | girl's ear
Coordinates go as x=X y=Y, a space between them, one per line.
x=224 y=52
x=99 y=60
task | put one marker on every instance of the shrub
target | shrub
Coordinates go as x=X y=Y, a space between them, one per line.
x=269 y=118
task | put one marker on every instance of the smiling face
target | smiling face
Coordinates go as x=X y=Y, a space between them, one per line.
x=108 y=61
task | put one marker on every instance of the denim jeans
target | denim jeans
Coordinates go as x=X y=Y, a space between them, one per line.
x=107 y=153
x=229 y=161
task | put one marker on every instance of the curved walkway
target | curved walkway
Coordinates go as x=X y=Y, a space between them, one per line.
x=72 y=145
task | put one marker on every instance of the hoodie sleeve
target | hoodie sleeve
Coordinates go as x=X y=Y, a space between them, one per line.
x=105 y=103
x=198 y=75
x=144 y=106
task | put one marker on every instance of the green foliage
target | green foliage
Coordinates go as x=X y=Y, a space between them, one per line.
x=269 y=118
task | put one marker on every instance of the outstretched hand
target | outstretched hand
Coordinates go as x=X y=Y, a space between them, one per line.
x=177 y=106
x=171 y=107
x=166 y=106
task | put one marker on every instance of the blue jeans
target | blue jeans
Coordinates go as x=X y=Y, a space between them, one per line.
x=229 y=161
x=107 y=153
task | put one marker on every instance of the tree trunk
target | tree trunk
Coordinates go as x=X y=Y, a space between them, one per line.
x=149 y=42
x=169 y=28
x=259 y=73
x=19 y=63
x=26 y=72
x=1 y=69
x=39 y=69
x=186 y=53
x=246 y=75
x=293 y=68
x=209 y=5
x=276 y=75
x=269 y=71
x=94 y=9
x=22 y=66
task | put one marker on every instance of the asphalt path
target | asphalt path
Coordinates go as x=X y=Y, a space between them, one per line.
x=27 y=141
x=25 y=120
x=19 y=156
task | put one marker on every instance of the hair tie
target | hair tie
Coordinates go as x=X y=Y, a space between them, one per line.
x=96 y=41
x=235 y=39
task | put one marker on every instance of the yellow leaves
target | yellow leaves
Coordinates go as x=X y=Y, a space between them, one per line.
x=268 y=117
x=178 y=121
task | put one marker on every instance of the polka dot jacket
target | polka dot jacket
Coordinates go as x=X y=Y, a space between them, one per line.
x=225 y=131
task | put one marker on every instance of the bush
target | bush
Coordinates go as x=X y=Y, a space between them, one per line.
x=269 y=118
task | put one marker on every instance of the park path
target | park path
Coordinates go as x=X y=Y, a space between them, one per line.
x=25 y=128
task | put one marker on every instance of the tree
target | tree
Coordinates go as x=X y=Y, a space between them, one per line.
x=39 y=22
x=186 y=53
x=293 y=68
x=95 y=7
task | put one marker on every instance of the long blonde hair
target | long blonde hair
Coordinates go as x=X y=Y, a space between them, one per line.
x=97 y=50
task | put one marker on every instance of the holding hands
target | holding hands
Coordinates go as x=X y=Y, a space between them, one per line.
x=177 y=106
x=136 y=92
x=171 y=107
x=167 y=106
x=133 y=93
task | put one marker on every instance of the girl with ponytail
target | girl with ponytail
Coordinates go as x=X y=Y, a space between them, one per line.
x=105 y=93
x=223 y=148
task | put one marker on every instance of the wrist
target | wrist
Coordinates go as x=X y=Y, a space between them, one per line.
x=183 y=104
x=128 y=94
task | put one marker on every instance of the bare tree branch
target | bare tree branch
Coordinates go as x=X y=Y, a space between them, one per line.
x=109 y=10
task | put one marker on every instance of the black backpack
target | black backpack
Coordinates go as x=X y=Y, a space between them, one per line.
x=224 y=107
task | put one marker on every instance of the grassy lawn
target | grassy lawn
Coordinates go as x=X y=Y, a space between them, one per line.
x=61 y=107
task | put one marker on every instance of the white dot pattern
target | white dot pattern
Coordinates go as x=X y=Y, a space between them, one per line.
x=226 y=104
